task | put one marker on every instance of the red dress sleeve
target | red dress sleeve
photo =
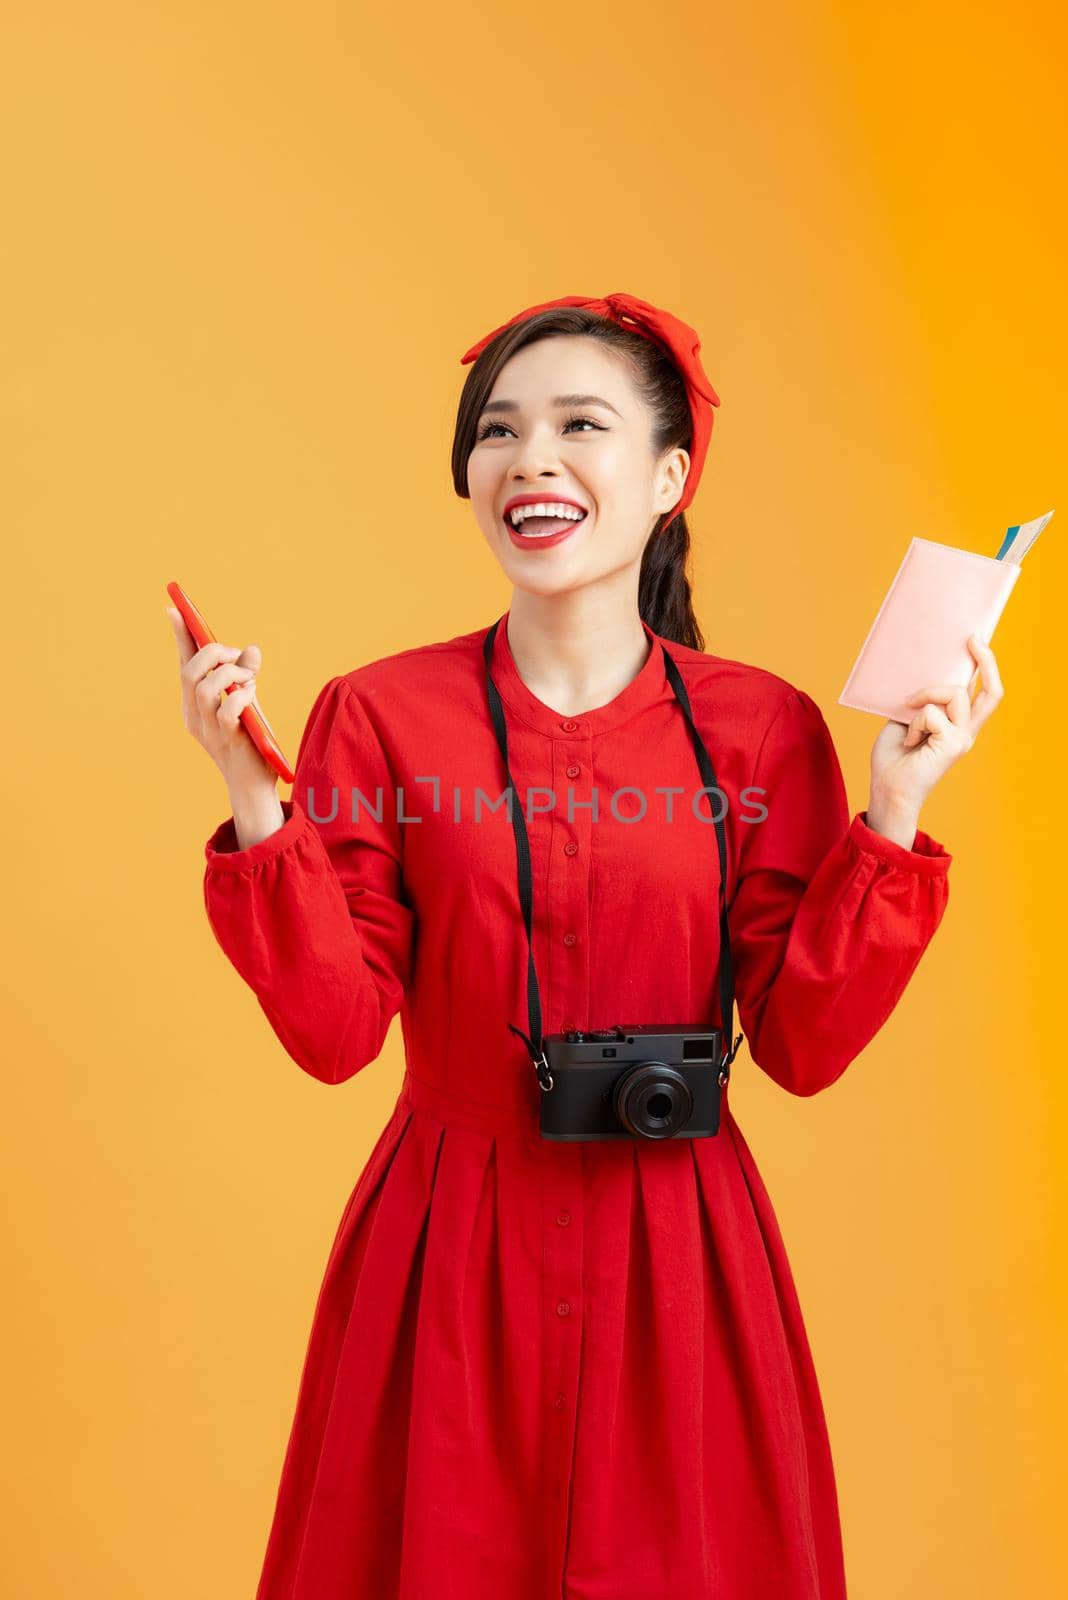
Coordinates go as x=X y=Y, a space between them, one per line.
x=828 y=918
x=315 y=917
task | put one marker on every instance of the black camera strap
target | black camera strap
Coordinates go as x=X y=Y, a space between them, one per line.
x=535 y=1041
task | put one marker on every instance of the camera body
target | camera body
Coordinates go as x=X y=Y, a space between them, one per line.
x=659 y=1081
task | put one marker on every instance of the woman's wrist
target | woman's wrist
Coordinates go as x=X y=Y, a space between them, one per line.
x=256 y=815
x=892 y=818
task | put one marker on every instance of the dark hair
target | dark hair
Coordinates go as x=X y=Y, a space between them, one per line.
x=664 y=598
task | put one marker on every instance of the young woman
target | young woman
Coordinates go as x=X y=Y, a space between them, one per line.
x=547 y=1367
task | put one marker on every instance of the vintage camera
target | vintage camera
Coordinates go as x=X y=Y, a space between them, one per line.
x=652 y=1082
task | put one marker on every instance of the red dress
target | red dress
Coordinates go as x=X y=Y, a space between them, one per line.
x=541 y=1369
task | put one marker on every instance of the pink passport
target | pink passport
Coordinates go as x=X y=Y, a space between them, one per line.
x=920 y=634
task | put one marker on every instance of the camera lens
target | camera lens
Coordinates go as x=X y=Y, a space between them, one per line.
x=653 y=1100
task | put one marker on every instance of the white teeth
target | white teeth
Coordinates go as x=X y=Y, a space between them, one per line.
x=545 y=508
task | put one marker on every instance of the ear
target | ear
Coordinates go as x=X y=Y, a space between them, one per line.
x=673 y=472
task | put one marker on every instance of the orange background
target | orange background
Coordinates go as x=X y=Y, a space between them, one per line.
x=246 y=247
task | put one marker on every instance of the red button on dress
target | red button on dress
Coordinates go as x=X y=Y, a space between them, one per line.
x=692 y=1458
x=571 y=848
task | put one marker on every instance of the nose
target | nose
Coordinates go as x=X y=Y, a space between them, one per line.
x=536 y=455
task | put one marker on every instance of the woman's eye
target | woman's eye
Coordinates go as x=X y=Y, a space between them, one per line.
x=488 y=428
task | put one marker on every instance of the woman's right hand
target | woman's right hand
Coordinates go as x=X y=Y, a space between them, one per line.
x=212 y=717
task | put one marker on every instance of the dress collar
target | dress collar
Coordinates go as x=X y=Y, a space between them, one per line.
x=650 y=685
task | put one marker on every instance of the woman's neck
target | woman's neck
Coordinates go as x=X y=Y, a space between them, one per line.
x=575 y=652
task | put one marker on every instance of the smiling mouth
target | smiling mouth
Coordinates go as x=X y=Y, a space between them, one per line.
x=534 y=528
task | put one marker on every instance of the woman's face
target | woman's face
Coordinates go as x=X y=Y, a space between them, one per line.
x=595 y=452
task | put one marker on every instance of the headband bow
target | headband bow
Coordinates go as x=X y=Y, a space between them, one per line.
x=680 y=341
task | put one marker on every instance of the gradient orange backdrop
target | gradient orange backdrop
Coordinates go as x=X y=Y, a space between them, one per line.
x=246 y=246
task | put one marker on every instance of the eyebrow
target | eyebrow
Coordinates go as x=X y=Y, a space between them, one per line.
x=560 y=400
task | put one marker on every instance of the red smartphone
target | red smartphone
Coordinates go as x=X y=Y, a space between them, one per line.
x=254 y=722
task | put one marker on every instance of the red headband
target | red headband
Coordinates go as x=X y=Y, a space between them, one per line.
x=682 y=345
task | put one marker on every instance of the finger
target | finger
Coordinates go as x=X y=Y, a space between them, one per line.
x=992 y=690
x=938 y=692
x=915 y=730
x=954 y=696
x=209 y=690
x=984 y=656
x=922 y=726
x=931 y=719
x=959 y=709
x=958 y=706
x=186 y=643
x=204 y=660
x=234 y=703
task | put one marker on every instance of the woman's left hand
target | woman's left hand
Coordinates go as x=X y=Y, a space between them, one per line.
x=907 y=761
